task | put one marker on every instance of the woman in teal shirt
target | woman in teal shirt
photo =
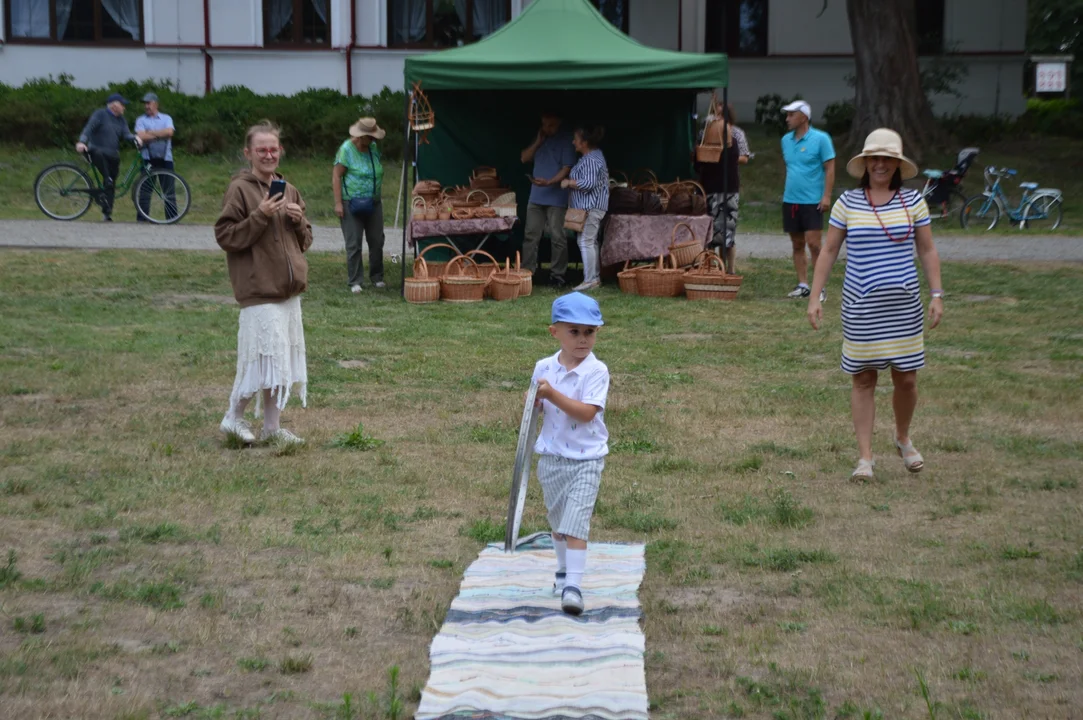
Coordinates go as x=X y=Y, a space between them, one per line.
x=357 y=180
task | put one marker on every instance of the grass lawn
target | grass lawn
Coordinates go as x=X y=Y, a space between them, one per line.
x=147 y=570
x=1053 y=163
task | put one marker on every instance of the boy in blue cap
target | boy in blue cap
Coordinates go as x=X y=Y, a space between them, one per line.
x=572 y=388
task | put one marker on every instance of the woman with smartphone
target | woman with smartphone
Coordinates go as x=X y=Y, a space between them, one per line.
x=265 y=233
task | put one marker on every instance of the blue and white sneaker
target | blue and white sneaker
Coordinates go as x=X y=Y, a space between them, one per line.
x=558 y=582
x=571 y=600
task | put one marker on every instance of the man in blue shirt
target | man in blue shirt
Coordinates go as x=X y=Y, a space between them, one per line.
x=101 y=140
x=155 y=129
x=810 y=177
x=553 y=156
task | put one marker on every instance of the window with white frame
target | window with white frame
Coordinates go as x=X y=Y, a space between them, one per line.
x=443 y=23
x=74 y=21
x=297 y=22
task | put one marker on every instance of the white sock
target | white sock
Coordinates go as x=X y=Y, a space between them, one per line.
x=561 y=546
x=577 y=563
x=802 y=285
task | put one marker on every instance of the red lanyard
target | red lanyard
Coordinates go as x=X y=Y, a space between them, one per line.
x=910 y=227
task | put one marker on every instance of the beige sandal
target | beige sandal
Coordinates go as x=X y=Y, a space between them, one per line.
x=911 y=458
x=863 y=471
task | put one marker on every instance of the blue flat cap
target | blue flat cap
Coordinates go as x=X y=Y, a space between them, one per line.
x=116 y=97
x=578 y=309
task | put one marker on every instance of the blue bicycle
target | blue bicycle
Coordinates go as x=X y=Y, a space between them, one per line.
x=1039 y=208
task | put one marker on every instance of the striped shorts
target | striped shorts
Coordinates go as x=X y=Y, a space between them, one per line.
x=570 y=488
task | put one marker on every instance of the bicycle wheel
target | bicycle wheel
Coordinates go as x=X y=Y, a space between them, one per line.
x=947 y=212
x=62 y=191
x=979 y=214
x=161 y=197
x=1043 y=213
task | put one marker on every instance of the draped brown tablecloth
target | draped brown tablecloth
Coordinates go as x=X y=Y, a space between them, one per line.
x=641 y=237
x=446 y=228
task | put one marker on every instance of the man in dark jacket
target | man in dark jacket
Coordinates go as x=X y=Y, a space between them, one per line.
x=101 y=137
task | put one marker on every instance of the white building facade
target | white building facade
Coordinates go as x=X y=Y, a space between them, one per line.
x=358 y=46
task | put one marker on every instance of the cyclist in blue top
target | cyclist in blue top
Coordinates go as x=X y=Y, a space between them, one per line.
x=810 y=176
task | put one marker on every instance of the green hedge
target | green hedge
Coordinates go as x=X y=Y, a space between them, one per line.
x=49 y=113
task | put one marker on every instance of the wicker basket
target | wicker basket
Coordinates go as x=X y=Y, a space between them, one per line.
x=505 y=205
x=504 y=285
x=626 y=278
x=709 y=149
x=708 y=280
x=421 y=288
x=418 y=206
x=482 y=269
x=526 y=278
x=685 y=253
x=437 y=268
x=660 y=281
x=458 y=286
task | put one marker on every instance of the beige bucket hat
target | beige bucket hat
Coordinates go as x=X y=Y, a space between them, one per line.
x=367 y=127
x=882 y=142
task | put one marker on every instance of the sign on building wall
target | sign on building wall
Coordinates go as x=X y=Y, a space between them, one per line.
x=1051 y=77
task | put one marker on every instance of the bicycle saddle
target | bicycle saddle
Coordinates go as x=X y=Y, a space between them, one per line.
x=1029 y=186
x=934 y=174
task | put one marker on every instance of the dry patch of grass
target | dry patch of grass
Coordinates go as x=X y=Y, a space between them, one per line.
x=156 y=572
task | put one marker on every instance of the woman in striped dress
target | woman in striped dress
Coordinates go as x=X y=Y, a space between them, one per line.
x=589 y=181
x=882 y=314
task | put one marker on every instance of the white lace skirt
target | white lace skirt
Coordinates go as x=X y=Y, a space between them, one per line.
x=270 y=353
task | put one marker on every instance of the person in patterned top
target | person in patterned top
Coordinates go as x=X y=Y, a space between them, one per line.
x=882 y=315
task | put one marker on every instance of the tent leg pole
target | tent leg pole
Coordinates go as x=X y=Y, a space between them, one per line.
x=406 y=158
x=725 y=173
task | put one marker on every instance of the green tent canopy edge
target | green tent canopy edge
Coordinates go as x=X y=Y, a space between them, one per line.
x=564 y=45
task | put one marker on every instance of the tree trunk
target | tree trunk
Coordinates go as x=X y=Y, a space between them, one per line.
x=888 y=81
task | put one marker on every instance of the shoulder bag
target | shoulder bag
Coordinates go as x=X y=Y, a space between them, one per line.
x=363 y=205
x=575 y=219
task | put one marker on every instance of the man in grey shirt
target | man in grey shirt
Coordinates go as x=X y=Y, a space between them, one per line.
x=553 y=156
x=101 y=138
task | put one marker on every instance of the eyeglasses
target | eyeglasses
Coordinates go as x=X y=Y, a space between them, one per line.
x=269 y=152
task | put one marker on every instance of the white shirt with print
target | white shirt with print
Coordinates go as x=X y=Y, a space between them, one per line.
x=561 y=435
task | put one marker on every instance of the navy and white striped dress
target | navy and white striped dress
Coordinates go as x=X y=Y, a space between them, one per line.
x=882 y=314
x=592 y=176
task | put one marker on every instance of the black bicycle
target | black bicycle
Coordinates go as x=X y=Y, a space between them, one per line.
x=64 y=191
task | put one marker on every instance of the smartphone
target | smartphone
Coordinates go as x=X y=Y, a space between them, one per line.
x=277 y=188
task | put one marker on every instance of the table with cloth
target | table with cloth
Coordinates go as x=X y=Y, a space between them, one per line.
x=641 y=237
x=446 y=229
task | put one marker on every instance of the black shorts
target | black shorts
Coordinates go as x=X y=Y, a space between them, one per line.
x=801 y=218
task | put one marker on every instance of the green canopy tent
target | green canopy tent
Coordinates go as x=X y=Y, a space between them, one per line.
x=563 y=56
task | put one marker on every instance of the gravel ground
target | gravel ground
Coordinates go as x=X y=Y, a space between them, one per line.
x=47 y=234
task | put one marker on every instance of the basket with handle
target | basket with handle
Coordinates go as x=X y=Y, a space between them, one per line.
x=460 y=286
x=484 y=200
x=436 y=268
x=710 y=145
x=626 y=278
x=484 y=178
x=526 y=278
x=708 y=280
x=505 y=205
x=685 y=253
x=421 y=288
x=483 y=270
x=504 y=285
x=418 y=206
x=660 y=281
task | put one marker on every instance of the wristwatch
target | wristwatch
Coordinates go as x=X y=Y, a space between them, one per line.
x=936 y=294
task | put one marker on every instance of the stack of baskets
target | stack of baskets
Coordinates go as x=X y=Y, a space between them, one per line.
x=466 y=278
x=707 y=279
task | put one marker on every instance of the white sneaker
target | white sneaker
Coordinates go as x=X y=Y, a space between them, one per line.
x=281 y=435
x=571 y=601
x=356 y=289
x=823 y=295
x=800 y=291
x=586 y=286
x=381 y=285
x=558 y=582
x=238 y=427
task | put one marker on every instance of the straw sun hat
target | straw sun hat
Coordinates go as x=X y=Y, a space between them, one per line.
x=882 y=143
x=367 y=127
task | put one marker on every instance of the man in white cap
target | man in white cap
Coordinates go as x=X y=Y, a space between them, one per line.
x=810 y=177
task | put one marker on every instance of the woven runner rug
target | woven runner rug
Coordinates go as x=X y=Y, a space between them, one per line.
x=506 y=651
